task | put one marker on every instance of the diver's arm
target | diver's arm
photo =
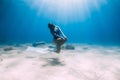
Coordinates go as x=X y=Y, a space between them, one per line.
x=55 y=35
x=62 y=33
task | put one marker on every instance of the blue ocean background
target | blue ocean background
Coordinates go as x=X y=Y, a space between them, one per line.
x=22 y=21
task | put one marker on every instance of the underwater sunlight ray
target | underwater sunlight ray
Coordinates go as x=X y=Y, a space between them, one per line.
x=65 y=10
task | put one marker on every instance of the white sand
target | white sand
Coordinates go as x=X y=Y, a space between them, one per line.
x=86 y=62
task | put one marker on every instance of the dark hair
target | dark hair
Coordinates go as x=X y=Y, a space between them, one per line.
x=51 y=26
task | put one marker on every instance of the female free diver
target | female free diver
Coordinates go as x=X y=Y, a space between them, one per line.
x=59 y=37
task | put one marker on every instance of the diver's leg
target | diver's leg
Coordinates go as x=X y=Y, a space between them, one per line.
x=63 y=41
x=58 y=48
x=59 y=44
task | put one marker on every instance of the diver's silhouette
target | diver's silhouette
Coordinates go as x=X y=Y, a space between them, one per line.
x=58 y=35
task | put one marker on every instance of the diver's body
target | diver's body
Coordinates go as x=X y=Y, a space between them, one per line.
x=58 y=35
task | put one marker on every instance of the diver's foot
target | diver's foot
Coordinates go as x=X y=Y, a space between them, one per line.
x=57 y=51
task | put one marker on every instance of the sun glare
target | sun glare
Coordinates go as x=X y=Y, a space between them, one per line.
x=66 y=9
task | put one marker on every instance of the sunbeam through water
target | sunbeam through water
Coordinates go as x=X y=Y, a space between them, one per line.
x=65 y=10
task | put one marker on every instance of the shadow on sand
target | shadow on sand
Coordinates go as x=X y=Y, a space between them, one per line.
x=53 y=62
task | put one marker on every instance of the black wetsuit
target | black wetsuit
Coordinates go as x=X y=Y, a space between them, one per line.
x=57 y=34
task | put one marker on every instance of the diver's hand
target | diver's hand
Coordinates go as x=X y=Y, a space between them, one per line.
x=59 y=38
x=65 y=38
x=62 y=38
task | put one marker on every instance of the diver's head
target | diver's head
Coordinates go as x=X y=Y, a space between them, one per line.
x=51 y=25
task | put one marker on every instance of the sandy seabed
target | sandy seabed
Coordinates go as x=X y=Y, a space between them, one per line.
x=86 y=62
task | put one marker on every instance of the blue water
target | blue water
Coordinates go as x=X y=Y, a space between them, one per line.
x=21 y=21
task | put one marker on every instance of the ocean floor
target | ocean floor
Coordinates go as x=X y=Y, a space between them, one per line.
x=86 y=62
